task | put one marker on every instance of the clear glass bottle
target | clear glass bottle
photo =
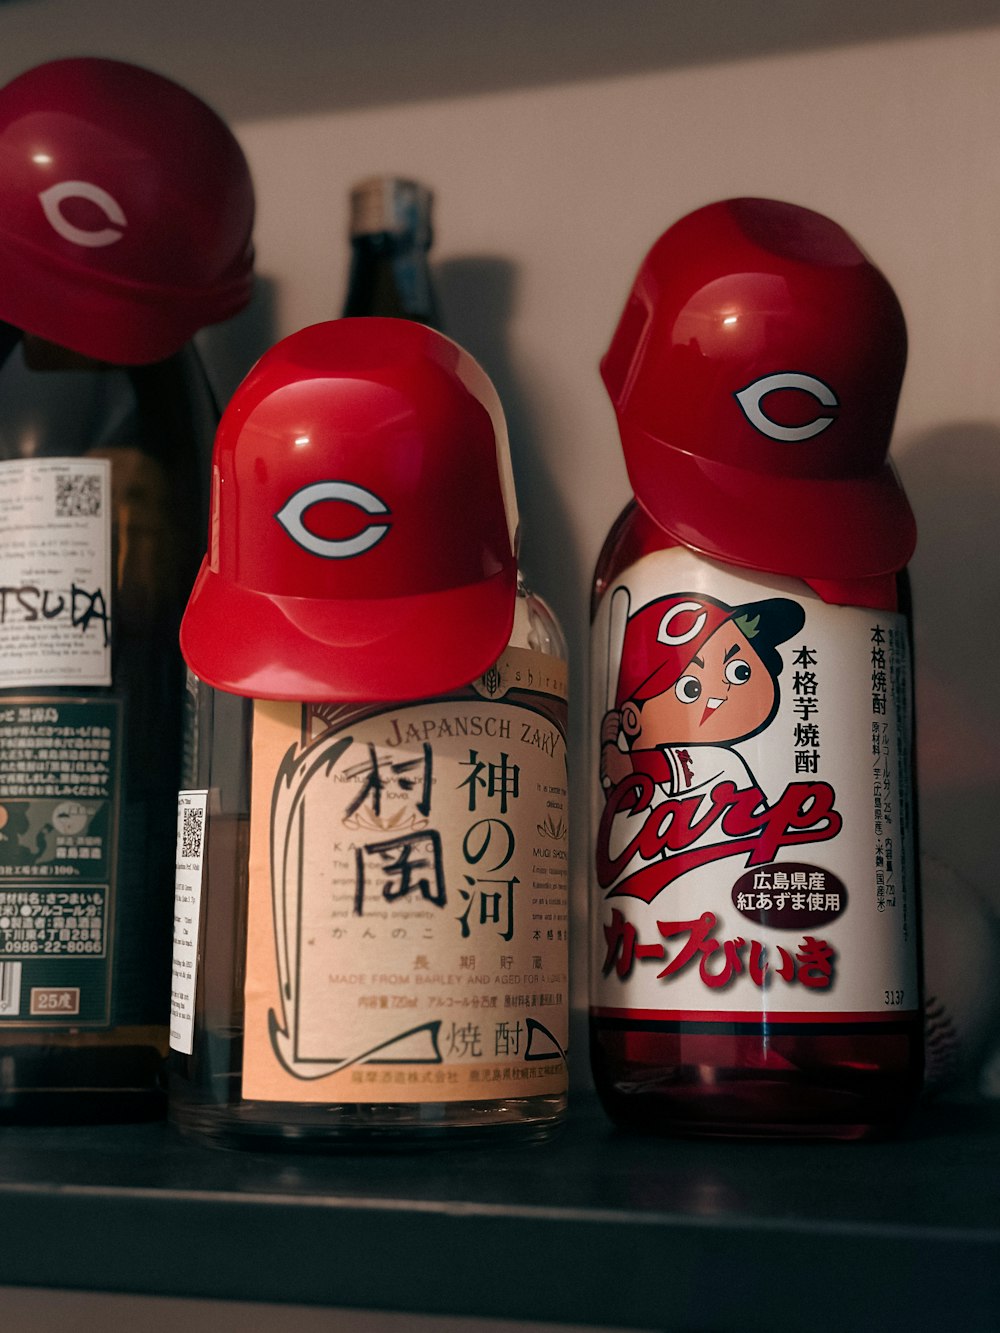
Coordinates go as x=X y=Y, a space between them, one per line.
x=371 y=909
x=391 y=236
x=101 y=515
x=207 y=1085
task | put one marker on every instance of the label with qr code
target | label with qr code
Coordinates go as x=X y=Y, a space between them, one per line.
x=55 y=552
x=191 y=806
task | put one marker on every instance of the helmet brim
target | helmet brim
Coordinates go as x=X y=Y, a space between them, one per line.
x=390 y=649
x=812 y=528
x=128 y=324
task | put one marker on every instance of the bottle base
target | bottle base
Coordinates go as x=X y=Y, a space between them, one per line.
x=740 y=1119
x=295 y=1127
x=65 y=1078
x=753 y=1085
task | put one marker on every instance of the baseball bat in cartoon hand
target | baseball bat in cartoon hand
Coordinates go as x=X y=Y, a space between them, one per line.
x=620 y=603
x=616 y=640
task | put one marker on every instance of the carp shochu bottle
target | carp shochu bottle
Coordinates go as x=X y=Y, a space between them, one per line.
x=372 y=883
x=106 y=421
x=754 y=950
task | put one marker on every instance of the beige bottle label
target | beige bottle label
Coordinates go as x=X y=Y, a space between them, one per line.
x=407 y=931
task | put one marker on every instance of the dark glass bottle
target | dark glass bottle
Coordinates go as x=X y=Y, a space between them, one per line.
x=390 y=239
x=101 y=521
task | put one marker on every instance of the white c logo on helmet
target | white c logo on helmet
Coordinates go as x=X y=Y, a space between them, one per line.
x=291 y=513
x=663 y=634
x=53 y=197
x=751 y=399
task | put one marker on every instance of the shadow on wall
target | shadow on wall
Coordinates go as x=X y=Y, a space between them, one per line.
x=952 y=476
x=477 y=296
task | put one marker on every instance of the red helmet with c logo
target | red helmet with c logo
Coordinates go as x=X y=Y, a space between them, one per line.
x=126 y=211
x=755 y=373
x=362 y=538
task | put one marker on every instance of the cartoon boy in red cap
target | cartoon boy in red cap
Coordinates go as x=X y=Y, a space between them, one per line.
x=696 y=676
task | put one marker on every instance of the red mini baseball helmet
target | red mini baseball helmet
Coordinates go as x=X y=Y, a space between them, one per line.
x=363 y=523
x=126 y=211
x=755 y=373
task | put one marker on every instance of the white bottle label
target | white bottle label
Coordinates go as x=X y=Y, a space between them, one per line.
x=191 y=807
x=407 y=924
x=55 y=552
x=751 y=776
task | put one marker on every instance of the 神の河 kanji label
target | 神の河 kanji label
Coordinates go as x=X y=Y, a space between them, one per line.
x=407 y=937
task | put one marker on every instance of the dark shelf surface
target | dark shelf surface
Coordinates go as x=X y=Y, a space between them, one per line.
x=596 y=1227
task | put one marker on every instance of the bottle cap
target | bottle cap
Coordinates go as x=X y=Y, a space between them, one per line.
x=363 y=521
x=755 y=373
x=389 y=205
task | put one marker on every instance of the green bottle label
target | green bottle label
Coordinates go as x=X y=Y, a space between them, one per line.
x=60 y=765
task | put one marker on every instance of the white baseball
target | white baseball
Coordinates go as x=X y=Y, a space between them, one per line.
x=961 y=978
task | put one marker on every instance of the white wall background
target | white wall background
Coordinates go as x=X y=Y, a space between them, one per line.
x=561 y=137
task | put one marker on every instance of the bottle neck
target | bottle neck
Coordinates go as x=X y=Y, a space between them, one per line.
x=390 y=277
x=634 y=535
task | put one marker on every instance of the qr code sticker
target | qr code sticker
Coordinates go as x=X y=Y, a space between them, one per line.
x=192 y=832
x=78 y=494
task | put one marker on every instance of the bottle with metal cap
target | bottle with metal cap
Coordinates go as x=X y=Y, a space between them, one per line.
x=755 y=929
x=116 y=245
x=390 y=228
x=371 y=907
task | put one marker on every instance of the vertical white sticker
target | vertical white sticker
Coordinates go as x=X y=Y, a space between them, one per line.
x=10 y=990
x=55 y=548
x=191 y=806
